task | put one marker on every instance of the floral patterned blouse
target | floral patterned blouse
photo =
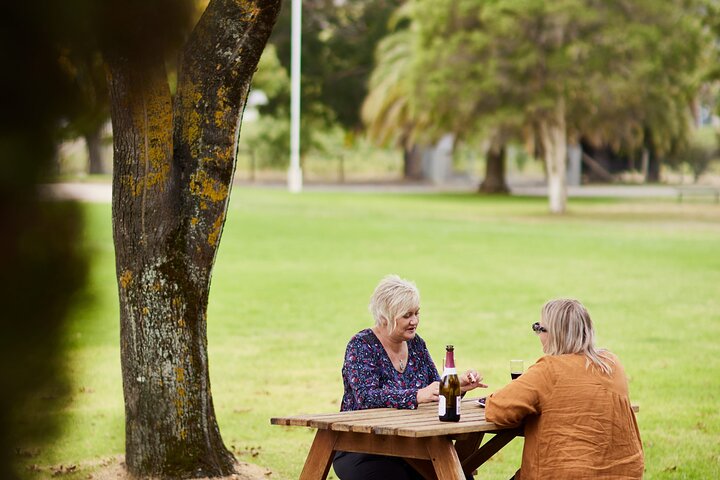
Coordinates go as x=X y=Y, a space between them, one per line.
x=371 y=380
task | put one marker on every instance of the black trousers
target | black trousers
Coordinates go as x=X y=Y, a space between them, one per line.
x=364 y=466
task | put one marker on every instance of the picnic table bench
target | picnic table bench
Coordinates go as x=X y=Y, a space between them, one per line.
x=438 y=450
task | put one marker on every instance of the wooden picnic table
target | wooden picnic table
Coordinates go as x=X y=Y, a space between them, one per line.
x=438 y=450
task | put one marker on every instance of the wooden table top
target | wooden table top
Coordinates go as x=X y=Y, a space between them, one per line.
x=422 y=422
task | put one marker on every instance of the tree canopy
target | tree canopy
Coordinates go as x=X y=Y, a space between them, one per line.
x=607 y=70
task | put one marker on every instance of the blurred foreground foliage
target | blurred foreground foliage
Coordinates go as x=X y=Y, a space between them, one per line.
x=43 y=258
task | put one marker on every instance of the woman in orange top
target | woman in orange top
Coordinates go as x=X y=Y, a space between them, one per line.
x=574 y=402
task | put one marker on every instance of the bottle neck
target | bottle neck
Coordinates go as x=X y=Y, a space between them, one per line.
x=449 y=362
x=450 y=359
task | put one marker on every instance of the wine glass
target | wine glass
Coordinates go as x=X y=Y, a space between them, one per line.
x=516 y=368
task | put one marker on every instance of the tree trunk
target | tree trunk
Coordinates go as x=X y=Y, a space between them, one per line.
x=494 y=181
x=553 y=137
x=653 y=169
x=412 y=163
x=94 y=147
x=173 y=167
x=651 y=162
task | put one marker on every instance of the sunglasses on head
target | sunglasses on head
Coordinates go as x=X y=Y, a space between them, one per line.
x=537 y=328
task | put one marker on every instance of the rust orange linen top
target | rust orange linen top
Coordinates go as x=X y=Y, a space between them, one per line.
x=578 y=421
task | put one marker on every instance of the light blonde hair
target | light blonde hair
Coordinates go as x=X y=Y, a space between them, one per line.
x=392 y=298
x=570 y=330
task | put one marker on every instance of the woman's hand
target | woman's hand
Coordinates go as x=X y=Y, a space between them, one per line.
x=429 y=393
x=471 y=380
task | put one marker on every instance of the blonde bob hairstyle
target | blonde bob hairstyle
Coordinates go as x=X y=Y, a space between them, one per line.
x=570 y=330
x=393 y=298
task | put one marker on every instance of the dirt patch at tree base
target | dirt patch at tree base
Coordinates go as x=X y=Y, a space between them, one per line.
x=113 y=468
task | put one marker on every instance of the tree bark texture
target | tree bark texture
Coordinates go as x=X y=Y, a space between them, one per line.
x=553 y=137
x=494 y=181
x=174 y=160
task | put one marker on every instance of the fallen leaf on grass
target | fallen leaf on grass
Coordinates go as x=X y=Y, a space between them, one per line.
x=252 y=451
x=63 y=470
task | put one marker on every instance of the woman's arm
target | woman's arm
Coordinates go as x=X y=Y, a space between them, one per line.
x=470 y=380
x=521 y=397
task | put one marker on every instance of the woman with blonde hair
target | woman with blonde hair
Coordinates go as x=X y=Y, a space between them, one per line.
x=389 y=365
x=574 y=403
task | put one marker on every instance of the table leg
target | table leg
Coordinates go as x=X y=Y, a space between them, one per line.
x=489 y=449
x=444 y=458
x=317 y=464
x=423 y=467
x=466 y=446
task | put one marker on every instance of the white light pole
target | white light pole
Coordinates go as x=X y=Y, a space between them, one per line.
x=294 y=172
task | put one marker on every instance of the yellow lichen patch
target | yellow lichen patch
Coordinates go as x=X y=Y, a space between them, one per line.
x=224 y=154
x=220 y=118
x=128 y=181
x=221 y=109
x=249 y=7
x=154 y=178
x=193 y=132
x=147 y=181
x=152 y=119
x=181 y=322
x=183 y=434
x=179 y=374
x=145 y=310
x=216 y=229
x=192 y=127
x=179 y=407
x=177 y=303
x=194 y=221
x=125 y=279
x=207 y=188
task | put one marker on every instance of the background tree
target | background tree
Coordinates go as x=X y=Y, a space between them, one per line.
x=91 y=108
x=557 y=68
x=389 y=110
x=174 y=159
x=338 y=44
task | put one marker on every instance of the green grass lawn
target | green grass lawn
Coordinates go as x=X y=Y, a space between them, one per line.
x=295 y=272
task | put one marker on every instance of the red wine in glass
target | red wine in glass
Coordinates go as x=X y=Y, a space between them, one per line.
x=516 y=368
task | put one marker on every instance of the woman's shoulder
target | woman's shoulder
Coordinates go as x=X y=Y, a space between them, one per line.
x=365 y=337
x=579 y=362
x=555 y=363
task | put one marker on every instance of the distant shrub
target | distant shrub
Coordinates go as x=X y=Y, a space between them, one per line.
x=700 y=151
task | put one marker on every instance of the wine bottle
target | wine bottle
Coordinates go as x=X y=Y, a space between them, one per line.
x=449 y=399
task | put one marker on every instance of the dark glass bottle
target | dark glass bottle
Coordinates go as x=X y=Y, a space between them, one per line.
x=449 y=401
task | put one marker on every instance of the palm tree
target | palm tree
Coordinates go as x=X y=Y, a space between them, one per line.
x=388 y=110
